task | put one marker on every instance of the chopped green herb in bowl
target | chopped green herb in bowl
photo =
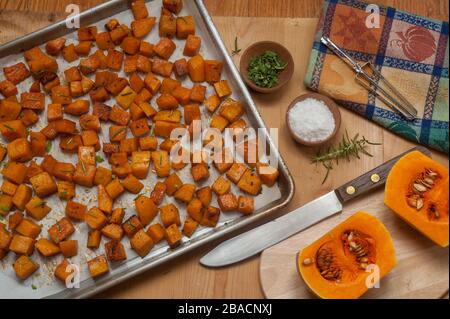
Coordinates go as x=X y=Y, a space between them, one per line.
x=264 y=70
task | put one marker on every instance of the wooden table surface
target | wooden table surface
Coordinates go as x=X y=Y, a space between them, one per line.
x=184 y=277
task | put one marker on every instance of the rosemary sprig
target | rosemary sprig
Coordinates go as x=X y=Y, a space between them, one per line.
x=236 y=49
x=346 y=149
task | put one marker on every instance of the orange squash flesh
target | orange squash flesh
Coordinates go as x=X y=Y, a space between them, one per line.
x=333 y=270
x=432 y=218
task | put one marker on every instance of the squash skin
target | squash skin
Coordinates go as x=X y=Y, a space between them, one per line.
x=354 y=287
x=398 y=181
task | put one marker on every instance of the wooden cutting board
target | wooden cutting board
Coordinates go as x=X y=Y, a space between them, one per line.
x=421 y=271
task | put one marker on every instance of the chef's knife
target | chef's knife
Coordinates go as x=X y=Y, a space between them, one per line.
x=260 y=238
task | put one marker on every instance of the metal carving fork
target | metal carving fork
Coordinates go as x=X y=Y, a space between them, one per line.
x=373 y=81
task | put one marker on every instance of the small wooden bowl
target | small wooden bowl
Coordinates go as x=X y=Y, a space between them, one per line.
x=259 y=48
x=329 y=103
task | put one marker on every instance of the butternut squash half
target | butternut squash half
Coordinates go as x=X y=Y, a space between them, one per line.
x=347 y=261
x=417 y=191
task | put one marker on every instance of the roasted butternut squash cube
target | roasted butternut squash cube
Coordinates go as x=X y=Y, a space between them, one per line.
x=66 y=190
x=69 y=248
x=98 y=266
x=84 y=174
x=189 y=227
x=16 y=73
x=210 y=216
x=63 y=171
x=173 y=235
x=157 y=195
x=5 y=204
x=38 y=144
x=195 y=209
x=87 y=33
x=83 y=48
x=75 y=210
x=117 y=216
x=19 y=150
x=192 y=45
x=161 y=163
x=173 y=183
x=204 y=194
x=12 y=130
x=181 y=68
x=268 y=174
x=9 y=110
x=213 y=71
x=222 y=88
x=164 y=48
x=169 y=215
x=139 y=9
x=162 y=67
x=221 y=186
x=126 y=97
x=115 y=251
x=8 y=188
x=250 y=183
x=185 y=27
x=24 y=267
x=198 y=93
x=141 y=243
x=130 y=45
x=43 y=184
x=5 y=238
x=140 y=127
x=117 y=133
x=167 y=26
x=131 y=226
x=14 y=220
x=22 y=196
x=156 y=232
x=146 y=49
x=69 y=53
x=174 y=6
x=95 y=218
x=22 y=245
x=236 y=171
x=113 y=231
x=200 y=172
x=72 y=74
x=28 y=228
x=132 y=184
x=61 y=95
x=140 y=164
x=8 y=88
x=219 y=122
x=61 y=230
x=37 y=208
x=246 y=205
x=105 y=202
x=185 y=193
x=102 y=176
x=46 y=248
x=14 y=172
x=228 y=202
x=94 y=239
x=231 y=110
x=114 y=188
x=114 y=60
x=63 y=270
x=196 y=68
x=192 y=113
x=146 y=209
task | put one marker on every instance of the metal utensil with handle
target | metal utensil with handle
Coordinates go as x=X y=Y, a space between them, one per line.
x=258 y=239
x=372 y=80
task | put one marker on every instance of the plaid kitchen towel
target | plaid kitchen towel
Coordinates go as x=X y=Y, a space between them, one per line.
x=412 y=52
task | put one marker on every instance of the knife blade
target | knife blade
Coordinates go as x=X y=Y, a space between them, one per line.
x=252 y=242
x=262 y=237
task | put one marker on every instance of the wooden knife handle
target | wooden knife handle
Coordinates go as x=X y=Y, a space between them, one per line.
x=373 y=179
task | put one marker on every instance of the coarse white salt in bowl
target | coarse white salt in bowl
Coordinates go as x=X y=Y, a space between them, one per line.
x=311 y=120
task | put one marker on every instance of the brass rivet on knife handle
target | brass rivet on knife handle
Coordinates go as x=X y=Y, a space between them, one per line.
x=375 y=178
x=371 y=180
x=350 y=190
